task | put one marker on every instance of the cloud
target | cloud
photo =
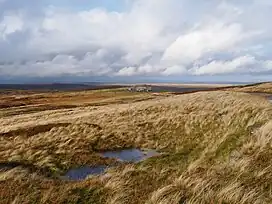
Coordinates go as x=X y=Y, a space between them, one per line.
x=127 y=71
x=150 y=38
x=174 y=70
x=197 y=43
x=9 y=25
x=60 y=65
x=225 y=67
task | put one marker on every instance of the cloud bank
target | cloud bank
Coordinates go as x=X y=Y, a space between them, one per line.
x=148 y=38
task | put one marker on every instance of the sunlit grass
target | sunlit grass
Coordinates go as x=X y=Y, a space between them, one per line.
x=216 y=148
x=255 y=88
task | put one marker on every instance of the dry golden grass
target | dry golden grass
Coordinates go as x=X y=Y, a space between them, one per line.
x=217 y=149
x=255 y=88
x=31 y=102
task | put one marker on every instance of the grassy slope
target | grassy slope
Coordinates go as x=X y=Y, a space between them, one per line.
x=254 y=88
x=217 y=149
x=26 y=103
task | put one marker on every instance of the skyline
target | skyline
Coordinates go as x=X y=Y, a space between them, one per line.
x=135 y=40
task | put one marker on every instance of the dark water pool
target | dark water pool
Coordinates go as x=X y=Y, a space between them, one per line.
x=126 y=155
x=83 y=172
x=130 y=155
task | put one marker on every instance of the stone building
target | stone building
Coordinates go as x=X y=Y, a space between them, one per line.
x=140 y=88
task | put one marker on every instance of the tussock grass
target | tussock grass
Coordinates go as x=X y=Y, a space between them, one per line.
x=217 y=149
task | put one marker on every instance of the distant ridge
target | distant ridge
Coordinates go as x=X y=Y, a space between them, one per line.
x=56 y=86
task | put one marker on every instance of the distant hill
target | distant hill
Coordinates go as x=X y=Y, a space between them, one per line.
x=55 y=86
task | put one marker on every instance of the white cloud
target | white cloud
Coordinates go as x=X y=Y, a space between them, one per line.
x=175 y=70
x=127 y=71
x=90 y=64
x=153 y=37
x=224 y=67
x=208 y=40
x=10 y=24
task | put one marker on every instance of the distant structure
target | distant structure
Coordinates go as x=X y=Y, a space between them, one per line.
x=140 y=88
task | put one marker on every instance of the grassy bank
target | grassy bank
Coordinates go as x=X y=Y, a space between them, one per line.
x=217 y=149
x=254 y=88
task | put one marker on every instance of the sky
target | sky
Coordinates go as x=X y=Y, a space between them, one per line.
x=166 y=40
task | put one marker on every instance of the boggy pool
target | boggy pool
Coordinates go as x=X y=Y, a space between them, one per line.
x=125 y=155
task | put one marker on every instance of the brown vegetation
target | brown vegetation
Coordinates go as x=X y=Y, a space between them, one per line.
x=254 y=88
x=31 y=102
x=217 y=149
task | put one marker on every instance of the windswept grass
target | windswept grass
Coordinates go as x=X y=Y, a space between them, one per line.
x=217 y=148
x=254 y=88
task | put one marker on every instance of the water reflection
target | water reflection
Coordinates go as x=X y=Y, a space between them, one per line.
x=83 y=172
x=130 y=155
x=125 y=155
